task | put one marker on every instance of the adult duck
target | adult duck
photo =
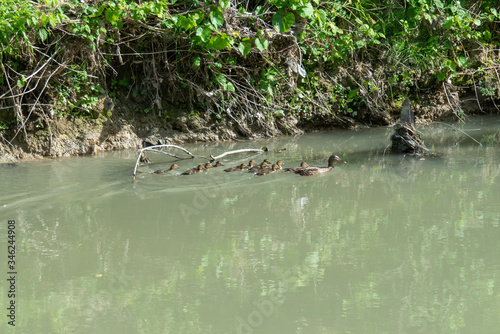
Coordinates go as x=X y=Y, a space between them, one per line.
x=235 y=169
x=195 y=170
x=163 y=171
x=266 y=171
x=302 y=166
x=321 y=170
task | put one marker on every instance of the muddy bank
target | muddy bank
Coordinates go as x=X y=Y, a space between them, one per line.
x=122 y=127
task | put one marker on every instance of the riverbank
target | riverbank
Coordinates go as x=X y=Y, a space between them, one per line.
x=123 y=129
x=79 y=77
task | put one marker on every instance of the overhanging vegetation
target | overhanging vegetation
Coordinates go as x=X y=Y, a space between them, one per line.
x=250 y=63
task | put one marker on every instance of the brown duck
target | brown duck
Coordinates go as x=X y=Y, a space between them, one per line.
x=235 y=169
x=279 y=163
x=207 y=166
x=218 y=163
x=163 y=171
x=320 y=170
x=273 y=168
x=303 y=165
x=251 y=163
x=196 y=170
x=263 y=165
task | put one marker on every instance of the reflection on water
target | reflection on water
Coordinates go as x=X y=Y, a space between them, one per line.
x=386 y=243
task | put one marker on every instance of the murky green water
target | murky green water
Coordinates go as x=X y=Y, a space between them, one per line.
x=384 y=244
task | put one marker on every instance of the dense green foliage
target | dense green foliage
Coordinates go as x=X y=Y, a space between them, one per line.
x=245 y=62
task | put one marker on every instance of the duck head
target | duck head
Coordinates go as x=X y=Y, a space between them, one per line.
x=333 y=159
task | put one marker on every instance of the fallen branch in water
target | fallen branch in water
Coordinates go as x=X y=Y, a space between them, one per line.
x=212 y=158
x=154 y=148
x=157 y=149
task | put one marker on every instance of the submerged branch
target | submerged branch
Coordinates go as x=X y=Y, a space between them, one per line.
x=155 y=149
x=212 y=158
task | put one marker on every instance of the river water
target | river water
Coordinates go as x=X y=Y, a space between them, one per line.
x=382 y=244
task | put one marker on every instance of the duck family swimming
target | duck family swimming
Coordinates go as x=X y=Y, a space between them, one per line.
x=304 y=169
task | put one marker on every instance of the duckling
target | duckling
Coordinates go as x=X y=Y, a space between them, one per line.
x=163 y=171
x=254 y=169
x=207 y=166
x=320 y=170
x=303 y=165
x=192 y=171
x=251 y=163
x=235 y=169
x=273 y=168
x=279 y=163
x=218 y=163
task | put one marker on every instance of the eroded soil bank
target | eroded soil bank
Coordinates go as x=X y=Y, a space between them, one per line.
x=123 y=128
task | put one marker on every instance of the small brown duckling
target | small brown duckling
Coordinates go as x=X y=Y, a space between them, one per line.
x=251 y=163
x=163 y=171
x=207 y=166
x=192 y=171
x=320 y=170
x=279 y=163
x=236 y=169
x=218 y=163
x=303 y=165
x=254 y=169
x=273 y=168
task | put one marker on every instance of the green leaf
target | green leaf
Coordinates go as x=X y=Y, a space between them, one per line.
x=439 y=4
x=218 y=43
x=21 y=82
x=225 y=3
x=477 y=22
x=306 y=11
x=196 y=62
x=259 y=10
x=321 y=15
x=43 y=34
x=447 y=23
x=261 y=44
x=360 y=43
x=216 y=16
x=112 y=15
x=441 y=76
x=204 y=33
x=353 y=93
x=282 y=23
x=220 y=79
x=462 y=61
x=245 y=47
x=229 y=86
